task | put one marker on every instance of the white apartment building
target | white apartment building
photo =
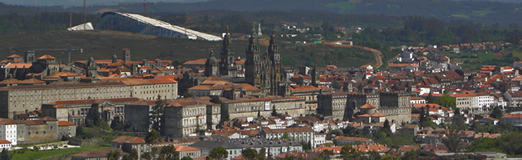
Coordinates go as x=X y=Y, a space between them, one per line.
x=8 y=130
x=485 y=100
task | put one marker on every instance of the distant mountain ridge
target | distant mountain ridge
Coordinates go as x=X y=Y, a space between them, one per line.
x=68 y=3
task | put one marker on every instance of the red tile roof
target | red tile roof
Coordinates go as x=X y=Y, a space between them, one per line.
x=46 y=57
x=3 y=141
x=368 y=106
x=128 y=139
x=182 y=148
x=65 y=123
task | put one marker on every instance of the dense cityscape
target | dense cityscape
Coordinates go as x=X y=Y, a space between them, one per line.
x=281 y=91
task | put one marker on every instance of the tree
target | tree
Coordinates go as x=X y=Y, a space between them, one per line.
x=249 y=154
x=497 y=113
x=94 y=118
x=274 y=112
x=258 y=113
x=134 y=154
x=458 y=119
x=386 y=126
x=157 y=111
x=168 y=153
x=5 y=155
x=452 y=139
x=261 y=154
x=349 y=152
x=447 y=101
x=186 y=158
x=146 y=156
x=79 y=130
x=113 y=155
x=126 y=157
x=153 y=137
x=36 y=148
x=225 y=116
x=430 y=98
x=285 y=136
x=326 y=154
x=218 y=153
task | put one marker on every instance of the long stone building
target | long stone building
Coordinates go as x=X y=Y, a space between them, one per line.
x=76 y=111
x=395 y=105
x=19 y=99
x=248 y=107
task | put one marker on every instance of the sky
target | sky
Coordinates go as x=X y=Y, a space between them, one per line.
x=67 y=3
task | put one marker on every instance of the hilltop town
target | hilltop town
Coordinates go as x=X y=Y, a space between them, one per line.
x=422 y=102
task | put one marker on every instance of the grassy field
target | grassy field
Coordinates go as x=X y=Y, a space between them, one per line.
x=104 y=44
x=30 y=154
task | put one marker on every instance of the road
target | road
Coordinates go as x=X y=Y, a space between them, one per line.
x=377 y=54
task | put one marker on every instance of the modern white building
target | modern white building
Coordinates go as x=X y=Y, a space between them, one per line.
x=8 y=130
x=5 y=144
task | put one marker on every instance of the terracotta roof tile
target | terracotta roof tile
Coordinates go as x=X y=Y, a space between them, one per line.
x=46 y=57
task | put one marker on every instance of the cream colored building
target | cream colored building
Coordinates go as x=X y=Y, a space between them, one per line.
x=249 y=106
x=19 y=99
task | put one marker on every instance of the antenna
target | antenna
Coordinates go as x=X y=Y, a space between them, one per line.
x=84 y=15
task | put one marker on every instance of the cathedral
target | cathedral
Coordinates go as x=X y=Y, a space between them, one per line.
x=262 y=71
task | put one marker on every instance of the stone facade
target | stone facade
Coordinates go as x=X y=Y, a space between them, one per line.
x=332 y=105
x=299 y=134
x=396 y=106
x=249 y=106
x=235 y=147
x=185 y=116
x=266 y=74
x=77 y=111
x=19 y=99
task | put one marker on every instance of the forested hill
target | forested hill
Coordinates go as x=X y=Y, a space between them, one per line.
x=485 y=12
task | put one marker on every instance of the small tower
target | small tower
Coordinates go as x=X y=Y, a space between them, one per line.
x=126 y=55
x=259 y=30
x=211 y=65
x=30 y=57
x=114 y=59
x=91 y=68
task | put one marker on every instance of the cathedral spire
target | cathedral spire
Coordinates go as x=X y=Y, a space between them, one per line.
x=252 y=46
x=272 y=47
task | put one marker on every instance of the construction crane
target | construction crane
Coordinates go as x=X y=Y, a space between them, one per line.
x=131 y=3
x=68 y=49
x=70 y=14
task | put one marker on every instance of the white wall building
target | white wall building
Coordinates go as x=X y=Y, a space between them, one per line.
x=8 y=130
x=5 y=144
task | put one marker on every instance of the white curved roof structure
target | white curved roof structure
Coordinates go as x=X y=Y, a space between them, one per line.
x=146 y=25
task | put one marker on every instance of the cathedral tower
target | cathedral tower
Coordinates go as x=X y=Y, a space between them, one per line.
x=276 y=79
x=226 y=66
x=253 y=62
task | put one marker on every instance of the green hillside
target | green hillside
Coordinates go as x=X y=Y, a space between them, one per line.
x=103 y=44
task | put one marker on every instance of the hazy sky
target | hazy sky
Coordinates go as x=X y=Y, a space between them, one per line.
x=67 y=3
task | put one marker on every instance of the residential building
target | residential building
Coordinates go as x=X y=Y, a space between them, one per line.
x=187 y=151
x=8 y=131
x=299 y=134
x=342 y=140
x=235 y=147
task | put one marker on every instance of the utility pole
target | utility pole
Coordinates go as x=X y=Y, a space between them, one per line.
x=84 y=15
